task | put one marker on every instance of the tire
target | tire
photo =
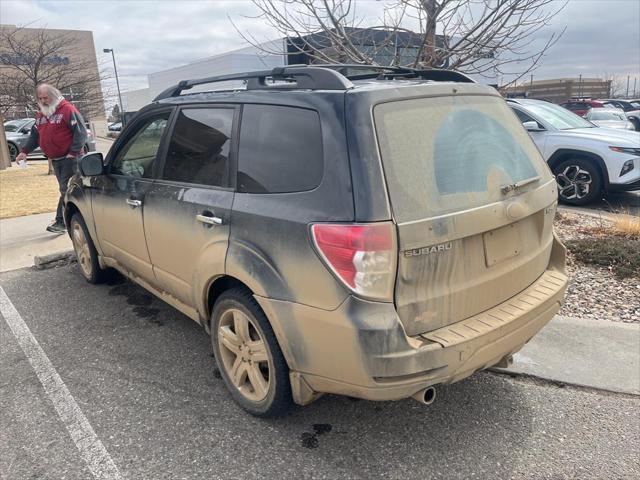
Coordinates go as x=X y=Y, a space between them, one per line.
x=86 y=251
x=258 y=380
x=13 y=151
x=579 y=181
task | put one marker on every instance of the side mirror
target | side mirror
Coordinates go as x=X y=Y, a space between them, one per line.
x=532 y=126
x=92 y=164
x=25 y=130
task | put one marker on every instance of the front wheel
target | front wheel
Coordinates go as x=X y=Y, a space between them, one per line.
x=247 y=352
x=579 y=181
x=86 y=251
x=13 y=151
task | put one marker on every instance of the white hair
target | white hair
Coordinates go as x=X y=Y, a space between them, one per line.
x=55 y=96
x=52 y=91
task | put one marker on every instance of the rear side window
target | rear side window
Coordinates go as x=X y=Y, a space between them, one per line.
x=447 y=154
x=280 y=150
x=199 y=148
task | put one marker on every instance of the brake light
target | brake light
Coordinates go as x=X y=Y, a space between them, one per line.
x=363 y=256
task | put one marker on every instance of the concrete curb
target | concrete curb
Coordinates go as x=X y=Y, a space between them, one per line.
x=596 y=354
x=515 y=373
x=42 y=262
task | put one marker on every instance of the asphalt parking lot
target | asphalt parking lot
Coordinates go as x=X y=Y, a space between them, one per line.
x=620 y=202
x=142 y=377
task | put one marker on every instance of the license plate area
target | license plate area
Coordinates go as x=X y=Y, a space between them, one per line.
x=502 y=244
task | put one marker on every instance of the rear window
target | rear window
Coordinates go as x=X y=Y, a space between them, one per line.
x=598 y=114
x=452 y=153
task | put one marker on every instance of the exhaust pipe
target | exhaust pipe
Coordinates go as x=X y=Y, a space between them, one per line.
x=426 y=396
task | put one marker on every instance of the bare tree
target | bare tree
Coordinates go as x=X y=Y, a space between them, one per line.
x=617 y=85
x=490 y=37
x=27 y=60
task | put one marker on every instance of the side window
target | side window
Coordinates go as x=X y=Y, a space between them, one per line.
x=136 y=158
x=199 y=148
x=280 y=150
x=523 y=117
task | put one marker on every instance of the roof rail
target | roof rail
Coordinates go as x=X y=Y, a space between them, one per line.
x=318 y=77
x=299 y=77
x=387 y=72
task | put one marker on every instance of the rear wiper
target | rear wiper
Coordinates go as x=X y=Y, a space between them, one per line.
x=515 y=186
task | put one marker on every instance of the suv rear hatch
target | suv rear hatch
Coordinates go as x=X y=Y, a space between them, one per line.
x=473 y=201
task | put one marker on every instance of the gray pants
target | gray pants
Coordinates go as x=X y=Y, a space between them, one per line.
x=64 y=168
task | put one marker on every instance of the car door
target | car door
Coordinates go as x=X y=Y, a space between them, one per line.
x=188 y=209
x=118 y=197
x=539 y=138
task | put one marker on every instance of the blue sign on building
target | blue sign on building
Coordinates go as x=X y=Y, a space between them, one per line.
x=17 y=59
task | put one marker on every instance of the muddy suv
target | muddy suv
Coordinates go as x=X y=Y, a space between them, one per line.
x=371 y=235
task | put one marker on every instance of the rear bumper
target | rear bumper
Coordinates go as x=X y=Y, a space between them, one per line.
x=361 y=350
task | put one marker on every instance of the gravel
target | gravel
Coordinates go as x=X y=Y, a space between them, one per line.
x=595 y=292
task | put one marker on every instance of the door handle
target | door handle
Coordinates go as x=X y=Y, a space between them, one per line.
x=209 y=220
x=134 y=203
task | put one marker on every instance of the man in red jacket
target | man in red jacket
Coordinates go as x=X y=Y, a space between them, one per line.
x=60 y=132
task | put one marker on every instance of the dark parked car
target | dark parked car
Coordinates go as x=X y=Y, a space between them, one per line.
x=581 y=107
x=625 y=105
x=370 y=236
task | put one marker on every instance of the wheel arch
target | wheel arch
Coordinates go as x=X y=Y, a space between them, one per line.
x=216 y=288
x=70 y=209
x=563 y=154
x=224 y=283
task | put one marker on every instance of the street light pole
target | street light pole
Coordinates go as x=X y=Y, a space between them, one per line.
x=115 y=69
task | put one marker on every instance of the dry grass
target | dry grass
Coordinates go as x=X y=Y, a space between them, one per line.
x=27 y=191
x=627 y=225
x=613 y=243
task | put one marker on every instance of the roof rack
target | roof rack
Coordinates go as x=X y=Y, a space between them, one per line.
x=292 y=77
x=317 y=77
x=390 y=73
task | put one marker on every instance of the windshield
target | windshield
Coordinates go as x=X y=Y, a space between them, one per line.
x=597 y=114
x=453 y=153
x=556 y=116
x=13 y=125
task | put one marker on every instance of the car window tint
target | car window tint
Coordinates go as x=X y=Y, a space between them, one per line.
x=280 y=150
x=523 y=116
x=199 y=148
x=137 y=156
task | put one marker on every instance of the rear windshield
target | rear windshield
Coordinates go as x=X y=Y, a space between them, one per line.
x=598 y=114
x=452 y=153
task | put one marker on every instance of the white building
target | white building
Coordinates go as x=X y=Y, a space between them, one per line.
x=134 y=100
x=237 y=61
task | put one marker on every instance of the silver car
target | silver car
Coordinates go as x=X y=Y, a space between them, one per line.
x=609 y=118
x=17 y=133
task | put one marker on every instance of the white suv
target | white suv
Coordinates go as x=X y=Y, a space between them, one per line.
x=586 y=160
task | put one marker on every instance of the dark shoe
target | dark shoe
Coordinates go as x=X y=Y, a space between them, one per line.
x=57 y=227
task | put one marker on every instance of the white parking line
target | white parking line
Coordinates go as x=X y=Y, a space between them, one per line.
x=91 y=448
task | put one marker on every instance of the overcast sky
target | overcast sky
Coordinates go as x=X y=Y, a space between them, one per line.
x=602 y=36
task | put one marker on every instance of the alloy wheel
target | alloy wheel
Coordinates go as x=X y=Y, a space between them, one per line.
x=13 y=151
x=574 y=182
x=244 y=355
x=81 y=247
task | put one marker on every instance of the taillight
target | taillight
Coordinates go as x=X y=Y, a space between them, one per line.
x=363 y=256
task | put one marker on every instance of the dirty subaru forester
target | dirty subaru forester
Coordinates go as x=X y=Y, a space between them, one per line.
x=371 y=235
